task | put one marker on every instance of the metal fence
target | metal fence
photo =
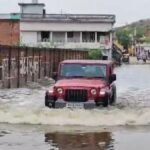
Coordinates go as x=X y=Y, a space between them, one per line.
x=19 y=65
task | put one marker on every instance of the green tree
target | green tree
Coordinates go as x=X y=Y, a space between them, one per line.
x=124 y=37
x=127 y=34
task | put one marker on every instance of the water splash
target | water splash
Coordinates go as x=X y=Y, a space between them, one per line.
x=104 y=117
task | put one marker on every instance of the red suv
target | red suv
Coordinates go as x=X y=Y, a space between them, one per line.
x=82 y=84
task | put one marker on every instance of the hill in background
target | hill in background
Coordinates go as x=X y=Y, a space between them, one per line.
x=140 y=28
x=141 y=23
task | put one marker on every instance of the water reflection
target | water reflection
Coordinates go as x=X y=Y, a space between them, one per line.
x=78 y=141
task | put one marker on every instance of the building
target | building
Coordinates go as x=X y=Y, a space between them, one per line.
x=9 y=29
x=75 y=31
x=34 y=27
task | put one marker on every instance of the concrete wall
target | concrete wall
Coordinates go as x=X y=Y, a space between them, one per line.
x=59 y=37
x=73 y=45
x=9 y=32
x=28 y=38
x=61 y=27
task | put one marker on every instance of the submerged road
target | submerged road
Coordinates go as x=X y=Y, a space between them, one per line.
x=26 y=124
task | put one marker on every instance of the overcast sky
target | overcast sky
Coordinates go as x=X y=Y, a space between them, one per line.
x=126 y=11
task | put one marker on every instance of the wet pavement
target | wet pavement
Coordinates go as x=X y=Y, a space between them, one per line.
x=25 y=124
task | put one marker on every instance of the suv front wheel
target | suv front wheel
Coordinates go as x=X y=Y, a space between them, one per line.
x=106 y=102
x=49 y=102
x=113 y=98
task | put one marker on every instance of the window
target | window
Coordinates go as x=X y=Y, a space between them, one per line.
x=95 y=71
x=45 y=36
x=102 y=37
x=70 y=34
x=88 y=36
x=83 y=70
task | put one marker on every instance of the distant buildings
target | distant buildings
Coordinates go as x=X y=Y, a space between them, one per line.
x=33 y=27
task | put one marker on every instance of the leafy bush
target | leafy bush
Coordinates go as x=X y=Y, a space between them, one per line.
x=95 y=54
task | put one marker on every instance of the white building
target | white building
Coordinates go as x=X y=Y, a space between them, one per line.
x=76 y=31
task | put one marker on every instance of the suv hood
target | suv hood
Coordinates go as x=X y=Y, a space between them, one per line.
x=97 y=83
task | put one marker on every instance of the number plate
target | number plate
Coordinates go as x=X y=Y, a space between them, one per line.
x=75 y=105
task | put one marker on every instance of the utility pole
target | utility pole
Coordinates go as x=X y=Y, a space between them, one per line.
x=135 y=34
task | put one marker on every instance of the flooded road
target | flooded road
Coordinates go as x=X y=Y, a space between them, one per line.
x=27 y=124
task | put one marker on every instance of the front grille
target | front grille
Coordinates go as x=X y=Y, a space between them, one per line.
x=76 y=95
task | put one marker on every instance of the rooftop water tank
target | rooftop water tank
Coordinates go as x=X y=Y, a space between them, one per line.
x=34 y=1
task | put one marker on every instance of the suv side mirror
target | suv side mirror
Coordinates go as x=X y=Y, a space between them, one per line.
x=54 y=76
x=112 y=78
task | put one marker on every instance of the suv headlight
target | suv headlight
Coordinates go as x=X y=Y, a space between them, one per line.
x=93 y=91
x=50 y=91
x=60 y=91
x=103 y=91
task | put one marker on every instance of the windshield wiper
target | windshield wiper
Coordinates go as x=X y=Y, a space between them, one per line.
x=86 y=77
x=76 y=76
x=94 y=77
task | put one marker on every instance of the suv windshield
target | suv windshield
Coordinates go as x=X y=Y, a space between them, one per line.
x=83 y=70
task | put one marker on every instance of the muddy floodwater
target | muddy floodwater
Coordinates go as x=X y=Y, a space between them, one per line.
x=25 y=123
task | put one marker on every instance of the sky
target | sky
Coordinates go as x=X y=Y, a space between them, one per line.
x=126 y=11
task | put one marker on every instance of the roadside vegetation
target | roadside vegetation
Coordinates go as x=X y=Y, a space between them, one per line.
x=138 y=32
x=95 y=54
